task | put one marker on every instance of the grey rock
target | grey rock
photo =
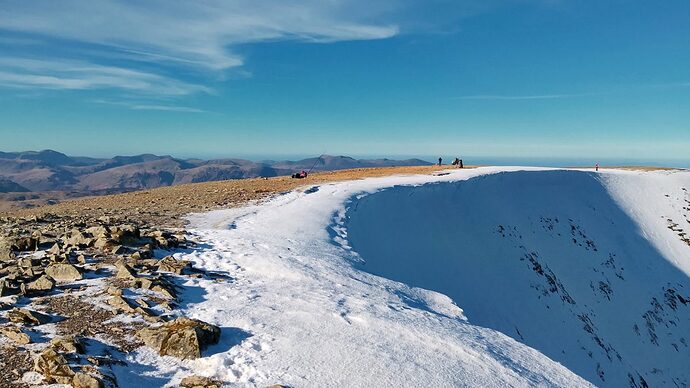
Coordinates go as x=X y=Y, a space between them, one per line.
x=25 y=316
x=182 y=338
x=15 y=334
x=171 y=264
x=82 y=380
x=63 y=272
x=199 y=382
x=42 y=284
x=53 y=367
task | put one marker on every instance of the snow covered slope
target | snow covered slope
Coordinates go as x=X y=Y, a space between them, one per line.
x=486 y=277
x=589 y=269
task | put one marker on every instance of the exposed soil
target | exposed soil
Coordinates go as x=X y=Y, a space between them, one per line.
x=164 y=206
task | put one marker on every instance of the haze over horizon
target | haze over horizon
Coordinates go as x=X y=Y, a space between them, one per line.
x=490 y=80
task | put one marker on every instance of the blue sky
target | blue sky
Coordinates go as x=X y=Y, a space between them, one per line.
x=493 y=78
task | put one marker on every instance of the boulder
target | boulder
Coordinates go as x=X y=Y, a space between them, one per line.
x=6 y=252
x=199 y=382
x=116 y=249
x=182 y=338
x=124 y=271
x=26 y=244
x=166 y=291
x=55 y=249
x=102 y=242
x=98 y=231
x=67 y=344
x=25 y=316
x=53 y=367
x=43 y=284
x=125 y=233
x=121 y=304
x=171 y=264
x=15 y=334
x=82 y=380
x=63 y=272
x=79 y=239
x=144 y=283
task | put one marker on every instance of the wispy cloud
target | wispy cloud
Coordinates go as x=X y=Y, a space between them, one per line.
x=524 y=97
x=163 y=37
x=147 y=106
x=176 y=48
x=77 y=75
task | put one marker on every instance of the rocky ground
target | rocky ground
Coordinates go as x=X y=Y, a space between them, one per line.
x=84 y=281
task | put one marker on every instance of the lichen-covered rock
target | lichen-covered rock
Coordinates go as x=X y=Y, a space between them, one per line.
x=102 y=242
x=42 y=284
x=182 y=338
x=79 y=239
x=63 y=272
x=67 y=344
x=98 y=231
x=26 y=244
x=53 y=367
x=199 y=382
x=171 y=264
x=55 y=249
x=6 y=252
x=28 y=317
x=82 y=380
x=15 y=334
x=121 y=304
x=124 y=271
x=164 y=290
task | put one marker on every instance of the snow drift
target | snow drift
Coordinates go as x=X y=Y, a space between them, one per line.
x=551 y=259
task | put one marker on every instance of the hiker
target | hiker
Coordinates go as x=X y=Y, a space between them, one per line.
x=300 y=175
x=460 y=164
x=440 y=160
x=596 y=167
x=456 y=162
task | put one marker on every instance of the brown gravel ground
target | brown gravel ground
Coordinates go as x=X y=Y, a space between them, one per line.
x=164 y=206
x=13 y=363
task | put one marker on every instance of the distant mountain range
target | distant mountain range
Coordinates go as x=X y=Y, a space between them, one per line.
x=48 y=170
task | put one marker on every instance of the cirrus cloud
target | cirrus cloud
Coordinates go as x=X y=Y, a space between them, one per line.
x=134 y=46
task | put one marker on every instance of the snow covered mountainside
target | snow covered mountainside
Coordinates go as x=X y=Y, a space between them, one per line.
x=483 y=277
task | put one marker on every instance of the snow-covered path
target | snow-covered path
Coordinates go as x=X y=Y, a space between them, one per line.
x=298 y=310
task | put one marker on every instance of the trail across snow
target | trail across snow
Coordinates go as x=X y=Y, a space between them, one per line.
x=303 y=309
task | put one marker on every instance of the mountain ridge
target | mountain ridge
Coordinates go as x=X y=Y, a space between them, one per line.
x=49 y=170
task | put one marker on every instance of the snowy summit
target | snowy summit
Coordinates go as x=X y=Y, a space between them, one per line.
x=481 y=277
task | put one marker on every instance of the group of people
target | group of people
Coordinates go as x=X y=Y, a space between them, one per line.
x=300 y=175
x=456 y=162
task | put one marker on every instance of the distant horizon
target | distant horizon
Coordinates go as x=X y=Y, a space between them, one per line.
x=447 y=159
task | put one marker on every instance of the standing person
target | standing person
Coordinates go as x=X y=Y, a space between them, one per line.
x=461 y=165
x=596 y=167
x=439 y=160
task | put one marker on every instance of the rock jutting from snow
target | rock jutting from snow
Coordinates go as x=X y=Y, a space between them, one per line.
x=15 y=334
x=182 y=338
x=82 y=380
x=53 y=367
x=63 y=272
x=199 y=382
x=28 y=317
x=42 y=284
